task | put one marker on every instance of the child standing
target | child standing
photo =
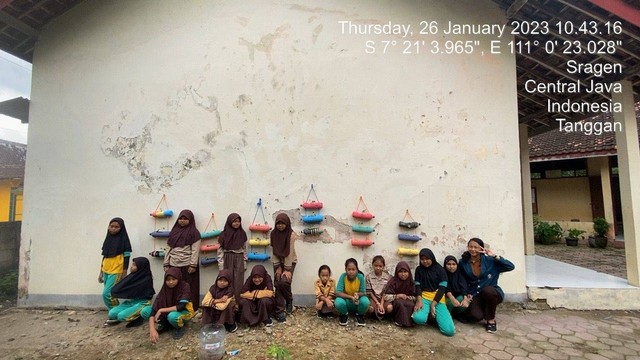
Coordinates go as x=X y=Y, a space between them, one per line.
x=284 y=262
x=375 y=284
x=219 y=302
x=400 y=295
x=351 y=294
x=116 y=250
x=137 y=287
x=256 y=298
x=457 y=301
x=184 y=243
x=325 y=292
x=172 y=307
x=233 y=249
x=431 y=280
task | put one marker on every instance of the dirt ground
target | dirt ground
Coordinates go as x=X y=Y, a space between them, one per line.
x=78 y=334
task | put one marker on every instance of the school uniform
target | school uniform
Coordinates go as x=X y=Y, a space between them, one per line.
x=432 y=285
x=116 y=250
x=137 y=288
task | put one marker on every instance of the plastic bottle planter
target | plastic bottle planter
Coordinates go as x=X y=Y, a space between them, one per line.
x=209 y=247
x=208 y=260
x=157 y=253
x=160 y=233
x=210 y=234
x=409 y=224
x=252 y=256
x=312 y=219
x=161 y=213
x=362 y=215
x=312 y=231
x=260 y=227
x=408 y=252
x=361 y=242
x=259 y=242
x=409 y=237
x=312 y=205
x=362 y=229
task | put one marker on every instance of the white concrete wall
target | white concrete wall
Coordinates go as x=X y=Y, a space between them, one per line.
x=220 y=103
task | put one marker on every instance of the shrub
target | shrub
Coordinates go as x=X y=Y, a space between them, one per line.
x=545 y=233
x=600 y=226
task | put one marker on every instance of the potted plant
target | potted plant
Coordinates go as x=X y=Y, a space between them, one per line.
x=601 y=228
x=545 y=233
x=572 y=236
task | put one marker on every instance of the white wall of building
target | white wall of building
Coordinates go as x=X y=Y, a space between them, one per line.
x=217 y=104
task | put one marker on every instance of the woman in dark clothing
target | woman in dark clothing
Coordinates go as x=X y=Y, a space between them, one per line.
x=400 y=295
x=256 y=298
x=482 y=268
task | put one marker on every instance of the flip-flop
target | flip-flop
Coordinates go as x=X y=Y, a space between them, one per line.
x=110 y=322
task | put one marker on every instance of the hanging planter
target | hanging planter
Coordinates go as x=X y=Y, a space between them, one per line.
x=259 y=242
x=361 y=242
x=409 y=237
x=312 y=231
x=362 y=215
x=408 y=252
x=362 y=228
x=209 y=247
x=208 y=260
x=252 y=256
x=260 y=227
x=312 y=205
x=408 y=224
x=160 y=233
x=210 y=234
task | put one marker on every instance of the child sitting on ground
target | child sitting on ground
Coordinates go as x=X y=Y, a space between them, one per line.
x=137 y=288
x=325 y=288
x=351 y=294
x=218 y=303
x=375 y=284
x=400 y=295
x=457 y=301
x=172 y=307
x=256 y=298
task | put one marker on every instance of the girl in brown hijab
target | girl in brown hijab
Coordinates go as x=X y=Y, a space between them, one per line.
x=218 y=303
x=184 y=243
x=171 y=308
x=256 y=299
x=233 y=248
x=400 y=295
x=284 y=262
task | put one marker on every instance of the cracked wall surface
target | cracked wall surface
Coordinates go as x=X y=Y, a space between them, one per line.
x=217 y=105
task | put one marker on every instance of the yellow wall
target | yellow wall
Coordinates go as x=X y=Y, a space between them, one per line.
x=563 y=199
x=5 y=200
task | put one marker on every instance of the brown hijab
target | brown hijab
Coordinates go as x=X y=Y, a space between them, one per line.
x=183 y=236
x=232 y=239
x=217 y=292
x=167 y=296
x=267 y=283
x=397 y=286
x=281 y=240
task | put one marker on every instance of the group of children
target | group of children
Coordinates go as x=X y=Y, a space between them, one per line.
x=433 y=294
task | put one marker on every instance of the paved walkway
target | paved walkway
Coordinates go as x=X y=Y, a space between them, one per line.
x=557 y=334
x=609 y=260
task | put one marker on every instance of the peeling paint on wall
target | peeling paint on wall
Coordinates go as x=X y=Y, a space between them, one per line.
x=265 y=45
x=152 y=161
x=23 y=275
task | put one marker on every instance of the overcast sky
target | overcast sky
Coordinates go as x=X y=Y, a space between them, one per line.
x=15 y=80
